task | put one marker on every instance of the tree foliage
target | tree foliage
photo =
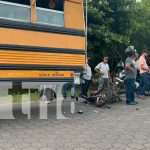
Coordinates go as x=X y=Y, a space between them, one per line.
x=141 y=34
x=110 y=26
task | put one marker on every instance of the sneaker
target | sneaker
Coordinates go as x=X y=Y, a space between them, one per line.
x=141 y=97
x=77 y=98
x=130 y=103
x=83 y=96
x=136 y=102
x=64 y=98
x=47 y=102
x=72 y=97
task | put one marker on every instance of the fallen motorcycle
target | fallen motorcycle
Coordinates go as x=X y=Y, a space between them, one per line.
x=105 y=95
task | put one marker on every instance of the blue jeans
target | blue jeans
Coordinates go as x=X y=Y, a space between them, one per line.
x=66 y=87
x=130 y=90
x=144 y=83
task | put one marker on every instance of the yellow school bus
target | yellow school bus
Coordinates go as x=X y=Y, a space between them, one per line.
x=41 y=40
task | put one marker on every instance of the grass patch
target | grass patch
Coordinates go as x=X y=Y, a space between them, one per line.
x=17 y=97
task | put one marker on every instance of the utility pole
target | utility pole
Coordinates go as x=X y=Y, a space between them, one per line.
x=86 y=25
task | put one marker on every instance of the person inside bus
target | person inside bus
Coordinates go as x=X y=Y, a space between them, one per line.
x=56 y=4
x=51 y=4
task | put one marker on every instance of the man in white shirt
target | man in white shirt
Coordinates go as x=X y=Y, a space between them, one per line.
x=103 y=69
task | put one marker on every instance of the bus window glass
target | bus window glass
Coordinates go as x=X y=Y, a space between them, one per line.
x=16 y=10
x=50 y=12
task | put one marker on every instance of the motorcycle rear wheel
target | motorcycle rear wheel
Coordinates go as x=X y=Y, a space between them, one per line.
x=104 y=97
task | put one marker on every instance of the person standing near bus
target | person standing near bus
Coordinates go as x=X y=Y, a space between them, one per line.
x=103 y=70
x=144 y=75
x=130 y=78
x=87 y=80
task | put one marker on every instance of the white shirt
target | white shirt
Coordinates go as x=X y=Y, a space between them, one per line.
x=104 y=68
x=88 y=73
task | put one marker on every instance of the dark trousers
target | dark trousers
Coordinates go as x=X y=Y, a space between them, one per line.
x=144 y=83
x=85 y=87
x=130 y=90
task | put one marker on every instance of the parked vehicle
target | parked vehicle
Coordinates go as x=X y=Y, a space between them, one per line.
x=121 y=86
x=42 y=41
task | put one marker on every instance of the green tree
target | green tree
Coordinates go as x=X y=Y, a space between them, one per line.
x=109 y=27
x=141 y=34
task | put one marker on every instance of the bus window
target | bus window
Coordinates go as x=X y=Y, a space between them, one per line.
x=51 y=4
x=50 y=12
x=16 y=10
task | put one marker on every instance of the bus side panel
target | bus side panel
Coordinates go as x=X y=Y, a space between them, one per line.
x=37 y=74
x=74 y=14
x=11 y=57
x=41 y=39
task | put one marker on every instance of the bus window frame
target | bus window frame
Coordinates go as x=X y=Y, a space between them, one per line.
x=31 y=6
x=15 y=4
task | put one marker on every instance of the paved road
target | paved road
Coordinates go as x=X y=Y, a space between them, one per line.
x=120 y=127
